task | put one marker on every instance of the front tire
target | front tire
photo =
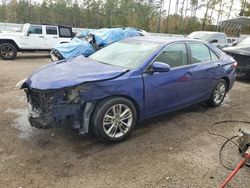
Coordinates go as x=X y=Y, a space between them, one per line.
x=8 y=51
x=218 y=94
x=114 y=119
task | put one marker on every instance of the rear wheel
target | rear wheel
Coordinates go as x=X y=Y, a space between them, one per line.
x=218 y=94
x=8 y=51
x=114 y=119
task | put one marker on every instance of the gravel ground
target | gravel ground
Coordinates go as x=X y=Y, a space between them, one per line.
x=174 y=150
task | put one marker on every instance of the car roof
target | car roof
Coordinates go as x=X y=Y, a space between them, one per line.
x=161 y=40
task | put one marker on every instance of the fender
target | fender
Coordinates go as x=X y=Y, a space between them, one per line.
x=10 y=40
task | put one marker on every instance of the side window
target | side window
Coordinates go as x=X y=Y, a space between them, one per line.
x=174 y=55
x=214 y=57
x=51 y=30
x=200 y=53
x=35 y=29
x=221 y=38
x=65 y=32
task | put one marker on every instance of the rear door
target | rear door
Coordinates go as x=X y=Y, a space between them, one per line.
x=52 y=37
x=206 y=70
x=166 y=90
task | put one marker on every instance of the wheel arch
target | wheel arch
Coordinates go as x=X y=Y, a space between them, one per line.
x=2 y=41
x=227 y=81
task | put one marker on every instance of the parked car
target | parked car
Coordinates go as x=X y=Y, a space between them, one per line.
x=33 y=37
x=241 y=53
x=218 y=39
x=127 y=82
x=89 y=41
x=232 y=41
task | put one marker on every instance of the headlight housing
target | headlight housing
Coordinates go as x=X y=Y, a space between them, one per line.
x=72 y=94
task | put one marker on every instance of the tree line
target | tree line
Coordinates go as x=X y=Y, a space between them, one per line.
x=150 y=15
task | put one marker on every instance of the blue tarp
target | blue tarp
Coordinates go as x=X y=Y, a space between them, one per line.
x=85 y=33
x=102 y=38
x=74 y=48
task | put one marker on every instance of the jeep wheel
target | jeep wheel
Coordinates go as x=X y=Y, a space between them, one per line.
x=114 y=119
x=8 y=51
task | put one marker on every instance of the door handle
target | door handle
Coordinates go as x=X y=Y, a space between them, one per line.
x=41 y=36
x=55 y=37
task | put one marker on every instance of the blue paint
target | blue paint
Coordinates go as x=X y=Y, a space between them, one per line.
x=152 y=93
x=71 y=73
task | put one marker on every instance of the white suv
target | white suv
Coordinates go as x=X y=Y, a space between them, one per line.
x=218 y=39
x=33 y=37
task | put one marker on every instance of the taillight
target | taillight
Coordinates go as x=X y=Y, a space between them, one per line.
x=235 y=64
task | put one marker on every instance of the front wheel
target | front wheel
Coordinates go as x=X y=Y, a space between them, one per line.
x=8 y=51
x=114 y=119
x=218 y=94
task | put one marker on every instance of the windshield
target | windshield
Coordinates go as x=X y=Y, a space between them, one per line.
x=127 y=54
x=245 y=42
x=200 y=35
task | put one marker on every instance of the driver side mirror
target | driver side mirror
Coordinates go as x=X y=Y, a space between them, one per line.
x=28 y=33
x=160 y=67
x=213 y=41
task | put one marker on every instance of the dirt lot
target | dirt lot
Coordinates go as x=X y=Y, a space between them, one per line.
x=174 y=150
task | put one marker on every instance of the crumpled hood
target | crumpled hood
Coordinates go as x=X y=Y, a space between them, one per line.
x=71 y=72
x=238 y=50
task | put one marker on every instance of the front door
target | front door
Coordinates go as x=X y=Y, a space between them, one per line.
x=165 y=90
x=35 y=38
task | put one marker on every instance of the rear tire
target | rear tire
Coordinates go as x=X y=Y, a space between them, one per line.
x=114 y=119
x=218 y=94
x=8 y=51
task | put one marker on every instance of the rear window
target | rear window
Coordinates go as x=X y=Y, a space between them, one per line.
x=51 y=30
x=200 y=53
x=65 y=32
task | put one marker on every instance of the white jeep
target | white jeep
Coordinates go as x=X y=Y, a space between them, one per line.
x=33 y=37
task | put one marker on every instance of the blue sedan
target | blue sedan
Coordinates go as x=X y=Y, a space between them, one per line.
x=127 y=82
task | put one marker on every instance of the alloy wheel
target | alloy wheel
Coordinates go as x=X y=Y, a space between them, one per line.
x=7 y=51
x=117 y=120
x=219 y=92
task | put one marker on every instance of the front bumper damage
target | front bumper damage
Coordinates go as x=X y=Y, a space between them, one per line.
x=46 y=112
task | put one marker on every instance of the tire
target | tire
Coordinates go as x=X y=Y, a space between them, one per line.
x=107 y=125
x=8 y=51
x=218 y=94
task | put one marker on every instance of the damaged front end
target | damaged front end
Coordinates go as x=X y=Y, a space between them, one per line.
x=58 y=108
x=58 y=93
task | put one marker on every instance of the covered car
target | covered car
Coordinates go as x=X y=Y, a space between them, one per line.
x=91 y=40
x=241 y=54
